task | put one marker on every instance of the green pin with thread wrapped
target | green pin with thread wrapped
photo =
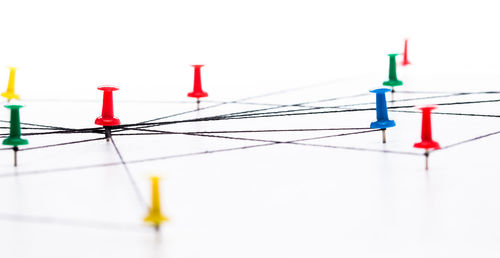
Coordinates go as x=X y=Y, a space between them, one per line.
x=393 y=77
x=14 y=139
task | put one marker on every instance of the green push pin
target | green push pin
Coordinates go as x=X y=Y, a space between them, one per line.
x=14 y=138
x=393 y=78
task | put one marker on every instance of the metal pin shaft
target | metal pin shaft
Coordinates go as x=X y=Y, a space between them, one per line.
x=426 y=160
x=107 y=133
x=384 y=139
x=15 y=148
x=197 y=104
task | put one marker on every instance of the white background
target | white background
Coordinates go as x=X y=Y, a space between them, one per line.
x=279 y=201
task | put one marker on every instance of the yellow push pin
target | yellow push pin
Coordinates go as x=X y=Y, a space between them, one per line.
x=155 y=216
x=9 y=93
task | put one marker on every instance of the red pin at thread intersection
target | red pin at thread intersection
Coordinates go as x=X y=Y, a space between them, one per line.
x=107 y=118
x=197 y=90
x=427 y=142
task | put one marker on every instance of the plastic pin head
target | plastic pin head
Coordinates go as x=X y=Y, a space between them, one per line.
x=107 y=117
x=10 y=92
x=393 y=78
x=405 y=54
x=427 y=141
x=155 y=216
x=197 y=90
x=383 y=121
x=14 y=138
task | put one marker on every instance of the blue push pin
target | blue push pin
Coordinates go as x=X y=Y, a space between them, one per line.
x=383 y=121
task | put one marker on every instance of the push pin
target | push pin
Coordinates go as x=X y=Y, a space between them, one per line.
x=427 y=143
x=405 y=55
x=107 y=118
x=10 y=92
x=155 y=216
x=197 y=90
x=383 y=121
x=393 y=78
x=14 y=139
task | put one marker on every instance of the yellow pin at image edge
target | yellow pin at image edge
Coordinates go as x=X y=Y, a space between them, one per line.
x=10 y=92
x=155 y=216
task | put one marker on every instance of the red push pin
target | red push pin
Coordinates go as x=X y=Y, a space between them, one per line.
x=107 y=118
x=427 y=143
x=197 y=90
x=405 y=54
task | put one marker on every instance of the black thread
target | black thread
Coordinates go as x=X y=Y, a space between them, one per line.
x=298 y=141
x=130 y=177
x=252 y=97
x=61 y=144
x=467 y=141
x=252 y=131
x=243 y=115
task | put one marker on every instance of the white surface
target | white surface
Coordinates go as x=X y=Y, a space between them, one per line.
x=282 y=200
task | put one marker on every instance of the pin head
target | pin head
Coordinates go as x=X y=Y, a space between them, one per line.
x=10 y=92
x=427 y=142
x=155 y=216
x=107 y=117
x=383 y=121
x=107 y=121
x=427 y=108
x=197 y=94
x=108 y=88
x=393 y=78
x=10 y=95
x=427 y=145
x=405 y=54
x=14 y=141
x=15 y=107
x=14 y=138
x=380 y=90
x=382 y=124
x=197 y=90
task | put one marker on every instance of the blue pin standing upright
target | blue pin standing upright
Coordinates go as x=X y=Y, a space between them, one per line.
x=383 y=121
